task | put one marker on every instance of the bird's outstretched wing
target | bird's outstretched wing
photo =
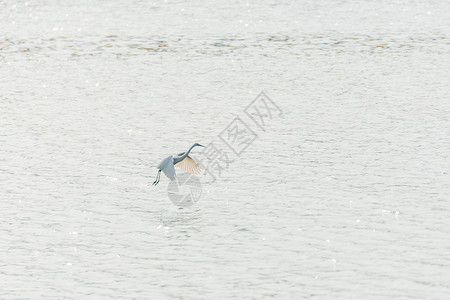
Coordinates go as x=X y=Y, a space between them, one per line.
x=168 y=168
x=189 y=165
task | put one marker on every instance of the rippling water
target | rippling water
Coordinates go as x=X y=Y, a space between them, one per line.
x=346 y=196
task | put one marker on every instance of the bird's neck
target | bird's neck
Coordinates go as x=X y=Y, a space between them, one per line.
x=187 y=153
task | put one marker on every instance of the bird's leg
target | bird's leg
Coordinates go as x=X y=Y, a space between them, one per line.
x=157 y=178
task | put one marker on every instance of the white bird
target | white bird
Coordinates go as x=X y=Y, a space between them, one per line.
x=182 y=160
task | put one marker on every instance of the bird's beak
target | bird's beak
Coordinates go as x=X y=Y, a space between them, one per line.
x=201 y=145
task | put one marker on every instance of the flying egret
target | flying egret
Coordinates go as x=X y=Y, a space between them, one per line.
x=182 y=160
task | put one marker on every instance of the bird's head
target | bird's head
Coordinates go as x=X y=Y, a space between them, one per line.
x=197 y=144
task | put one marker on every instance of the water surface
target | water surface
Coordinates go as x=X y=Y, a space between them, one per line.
x=346 y=196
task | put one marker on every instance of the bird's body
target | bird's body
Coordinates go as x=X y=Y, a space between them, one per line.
x=182 y=160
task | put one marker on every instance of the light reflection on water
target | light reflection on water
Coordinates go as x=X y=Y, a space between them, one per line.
x=346 y=196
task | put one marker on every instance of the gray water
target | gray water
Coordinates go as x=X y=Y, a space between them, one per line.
x=345 y=196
